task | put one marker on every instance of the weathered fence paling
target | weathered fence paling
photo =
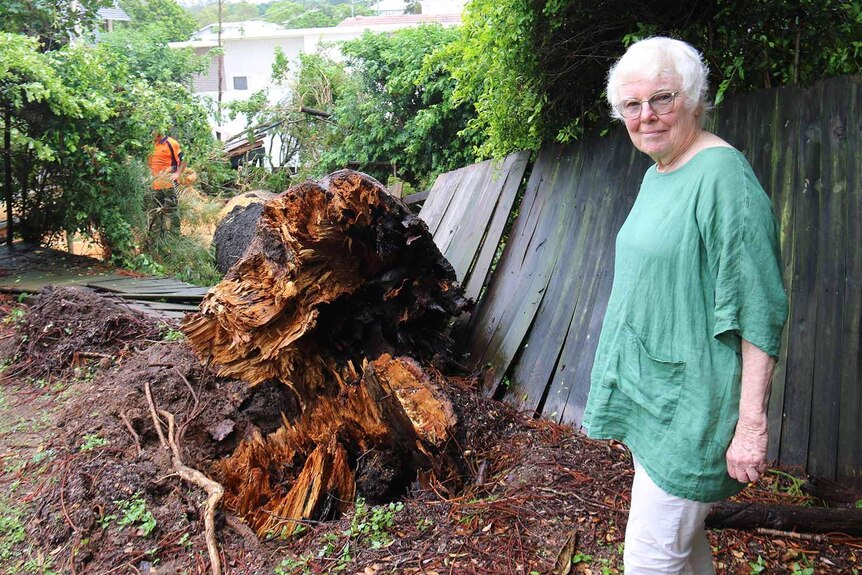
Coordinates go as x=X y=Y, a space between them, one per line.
x=536 y=329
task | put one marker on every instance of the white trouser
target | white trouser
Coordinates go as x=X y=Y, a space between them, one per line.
x=665 y=533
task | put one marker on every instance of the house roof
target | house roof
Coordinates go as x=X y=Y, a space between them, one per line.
x=114 y=13
x=403 y=20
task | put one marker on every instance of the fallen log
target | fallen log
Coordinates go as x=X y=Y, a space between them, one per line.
x=733 y=515
x=344 y=299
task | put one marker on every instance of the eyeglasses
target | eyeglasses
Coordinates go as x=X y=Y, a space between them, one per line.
x=660 y=102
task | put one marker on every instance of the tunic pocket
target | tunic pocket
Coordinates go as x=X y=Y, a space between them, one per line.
x=653 y=384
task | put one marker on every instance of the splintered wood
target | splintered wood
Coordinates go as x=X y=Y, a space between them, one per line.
x=342 y=297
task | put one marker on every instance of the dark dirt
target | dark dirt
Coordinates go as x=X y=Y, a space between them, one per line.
x=73 y=393
x=234 y=234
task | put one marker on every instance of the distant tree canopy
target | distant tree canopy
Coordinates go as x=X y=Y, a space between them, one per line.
x=160 y=20
x=535 y=71
x=288 y=13
x=312 y=13
x=231 y=12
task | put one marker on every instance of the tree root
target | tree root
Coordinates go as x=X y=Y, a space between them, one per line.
x=214 y=492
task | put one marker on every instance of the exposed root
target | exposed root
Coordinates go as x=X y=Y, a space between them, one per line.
x=132 y=432
x=214 y=493
x=156 y=423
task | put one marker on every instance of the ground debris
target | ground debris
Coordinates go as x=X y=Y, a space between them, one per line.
x=72 y=474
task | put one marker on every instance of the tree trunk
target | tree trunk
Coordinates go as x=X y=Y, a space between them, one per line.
x=732 y=515
x=344 y=299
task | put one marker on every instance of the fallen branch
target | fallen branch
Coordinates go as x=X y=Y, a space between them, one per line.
x=816 y=537
x=733 y=515
x=214 y=493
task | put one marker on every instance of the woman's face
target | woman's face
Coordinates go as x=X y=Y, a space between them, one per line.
x=662 y=137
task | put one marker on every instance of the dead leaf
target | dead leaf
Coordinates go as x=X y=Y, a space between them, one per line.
x=563 y=565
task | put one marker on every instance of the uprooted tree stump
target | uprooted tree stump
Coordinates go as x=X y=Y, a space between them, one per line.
x=344 y=299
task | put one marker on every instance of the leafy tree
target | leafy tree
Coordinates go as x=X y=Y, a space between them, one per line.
x=299 y=138
x=536 y=70
x=160 y=20
x=80 y=127
x=399 y=108
x=312 y=13
x=53 y=22
x=389 y=110
x=231 y=12
x=412 y=7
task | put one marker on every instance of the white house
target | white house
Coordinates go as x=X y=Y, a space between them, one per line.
x=249 y=53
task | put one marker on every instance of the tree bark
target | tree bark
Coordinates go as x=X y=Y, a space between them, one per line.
x=733 y=515
x=344 y=299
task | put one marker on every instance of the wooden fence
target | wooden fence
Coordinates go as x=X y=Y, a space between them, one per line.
x=466 y=212
x=537 y=326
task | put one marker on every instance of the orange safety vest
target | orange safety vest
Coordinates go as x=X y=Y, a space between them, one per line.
x=164 y=161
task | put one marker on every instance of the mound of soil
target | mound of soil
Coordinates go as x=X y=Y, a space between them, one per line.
x=95 y=492
x=69 y=325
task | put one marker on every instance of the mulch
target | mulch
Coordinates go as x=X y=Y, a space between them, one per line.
x=537 y=493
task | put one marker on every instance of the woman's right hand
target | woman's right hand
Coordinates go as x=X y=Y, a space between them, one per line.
x=746 y=456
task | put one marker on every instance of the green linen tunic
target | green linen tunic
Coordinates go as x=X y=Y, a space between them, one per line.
x=697 y=268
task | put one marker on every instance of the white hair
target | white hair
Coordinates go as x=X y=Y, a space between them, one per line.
x=664 y=58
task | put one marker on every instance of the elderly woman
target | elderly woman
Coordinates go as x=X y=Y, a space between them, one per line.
x=693 y=325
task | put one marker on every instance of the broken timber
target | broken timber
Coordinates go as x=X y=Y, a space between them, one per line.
x=344 y=299
x=735 y=515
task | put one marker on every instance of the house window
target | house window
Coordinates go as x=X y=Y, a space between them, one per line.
x=240 y=83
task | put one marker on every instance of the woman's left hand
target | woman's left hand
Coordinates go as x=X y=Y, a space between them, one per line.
x=746 y=456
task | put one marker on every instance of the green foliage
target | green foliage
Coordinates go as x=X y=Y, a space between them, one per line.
x=497 y=69
x=315 y=83
x=371 y=525
x=172 y=335
x=536 y=71
x=12 y=532
x=787 y=483
x=162 y=20
x=93 y=441
x=149 y=57
x=134 y=511
x=52 y=22
x=802 y=568
x=312 y=13
x=81 y=119
x=397 y=108
x=231 y=12
x=15 y=315
x=758 y=566
x=42 y=456
x=369 y=528
x=390 y=109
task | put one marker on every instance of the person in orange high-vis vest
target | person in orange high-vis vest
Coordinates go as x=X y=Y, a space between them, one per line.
x=167 y=164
